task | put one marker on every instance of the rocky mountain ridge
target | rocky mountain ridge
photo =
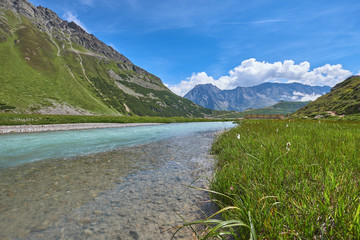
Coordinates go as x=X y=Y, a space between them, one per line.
x=52 y=66
x=242 y=98
x=48 y=21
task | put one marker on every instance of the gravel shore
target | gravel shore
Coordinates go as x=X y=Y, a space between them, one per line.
x=64 y=127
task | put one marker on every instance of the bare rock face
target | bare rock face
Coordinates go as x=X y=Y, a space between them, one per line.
x=48 y=20
x=46 y=15
x=21 y=6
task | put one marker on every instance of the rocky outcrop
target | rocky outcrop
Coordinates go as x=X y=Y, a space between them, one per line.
x=22 y=7
x=47 y=19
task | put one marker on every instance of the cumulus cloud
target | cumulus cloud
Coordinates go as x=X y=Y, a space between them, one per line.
x=252 y=72
x=71 y=17
x=303 y=97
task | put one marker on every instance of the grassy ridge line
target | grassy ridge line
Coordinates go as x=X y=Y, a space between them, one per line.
x=297 y=179
x=36 y=119
x=344 y=98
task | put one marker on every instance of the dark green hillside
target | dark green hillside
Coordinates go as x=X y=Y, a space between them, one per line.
x=344 y=98
x=50 y=66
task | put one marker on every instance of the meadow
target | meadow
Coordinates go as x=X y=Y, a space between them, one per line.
x=288 y=179
x=37 y=119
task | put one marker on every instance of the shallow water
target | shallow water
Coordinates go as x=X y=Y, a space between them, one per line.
x=17 y=149
x=125 y=193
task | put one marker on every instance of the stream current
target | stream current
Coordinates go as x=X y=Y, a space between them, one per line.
x=110 y=190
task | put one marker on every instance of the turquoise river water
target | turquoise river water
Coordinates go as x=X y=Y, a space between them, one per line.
x=114 y=183
x=28 y=147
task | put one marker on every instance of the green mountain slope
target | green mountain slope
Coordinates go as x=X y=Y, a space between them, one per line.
x=51 y=66
x=344 y=98
x=283 y=107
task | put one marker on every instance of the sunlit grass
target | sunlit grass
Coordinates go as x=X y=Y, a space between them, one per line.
x=297 y=179
x=286 y=179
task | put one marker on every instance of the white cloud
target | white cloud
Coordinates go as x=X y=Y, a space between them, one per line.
x=71 y=17
x=251 y=72
x=303 y=97
x=186 y=85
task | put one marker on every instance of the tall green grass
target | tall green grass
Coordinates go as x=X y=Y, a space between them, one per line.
x=296 y=179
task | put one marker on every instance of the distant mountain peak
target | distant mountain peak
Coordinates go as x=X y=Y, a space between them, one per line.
x=242 y=98
x=206 y=85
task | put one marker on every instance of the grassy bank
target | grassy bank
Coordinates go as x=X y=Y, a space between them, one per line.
x=296 y=179
x=36 y=119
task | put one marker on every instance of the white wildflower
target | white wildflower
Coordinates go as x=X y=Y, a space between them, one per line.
x=238 y=136
x=287 y=125
x=288 y=145
x=277 y=130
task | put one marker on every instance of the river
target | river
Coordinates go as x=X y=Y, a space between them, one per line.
x=119 y=183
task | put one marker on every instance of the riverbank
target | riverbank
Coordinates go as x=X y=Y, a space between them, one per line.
x=64 y=127
x=290 y=178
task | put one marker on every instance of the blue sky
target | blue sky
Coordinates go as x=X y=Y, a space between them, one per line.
x=226 y=42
